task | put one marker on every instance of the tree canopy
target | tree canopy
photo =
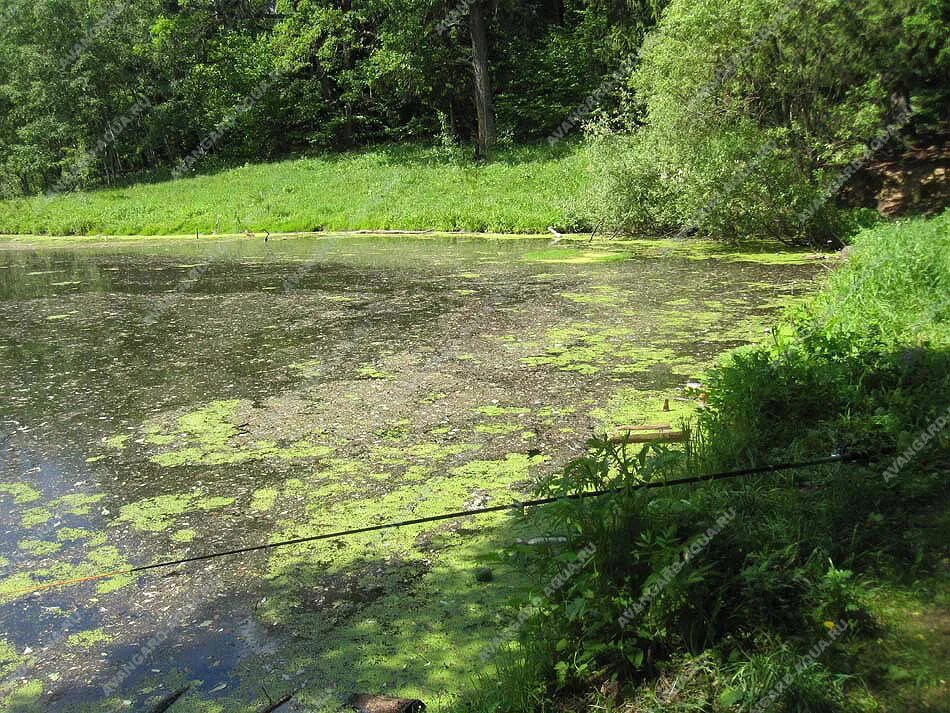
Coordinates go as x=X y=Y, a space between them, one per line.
x=266 y=78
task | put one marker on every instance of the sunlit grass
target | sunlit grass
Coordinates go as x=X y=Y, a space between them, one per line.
x=523 y=190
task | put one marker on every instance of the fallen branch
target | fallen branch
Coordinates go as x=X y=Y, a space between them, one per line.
x=656 y=427
x=274 y=705
x=167 y=702
x=366 y=703
x=659 y=437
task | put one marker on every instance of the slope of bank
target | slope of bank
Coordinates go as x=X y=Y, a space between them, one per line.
x=523 y=190
x=818 y=589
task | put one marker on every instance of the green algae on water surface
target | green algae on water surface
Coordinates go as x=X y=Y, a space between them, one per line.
x=20 y=492
x=213 y=435
x=72 y=534
x=495 y=410
x=587 y=348
x=117 y=441
x=39 y=548
x=24 y=697
x=76 y=503
x=406 y=603
x=9 y=659
x=35 y=516
x=637 y=407
x=572 y=256
x=263 y=499
x=184 y=536
x=369 y=371
x=88 y=639
x=601 y=295
x=102 y=558
x=159 y=513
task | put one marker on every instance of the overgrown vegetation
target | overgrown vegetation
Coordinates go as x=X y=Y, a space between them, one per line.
x=778 y=563
x=728 y=119
x=524 y=190
x=268 y=78
x=746 y=113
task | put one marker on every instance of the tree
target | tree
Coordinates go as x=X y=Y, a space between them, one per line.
x=484 y=104
x=752 y=110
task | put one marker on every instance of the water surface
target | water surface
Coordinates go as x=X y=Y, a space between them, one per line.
x=170 y=397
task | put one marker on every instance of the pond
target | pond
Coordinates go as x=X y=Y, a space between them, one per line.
x=166 y=398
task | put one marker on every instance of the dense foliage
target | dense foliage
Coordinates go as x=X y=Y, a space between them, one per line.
x=779 y=562
x=748 y=111
x=741 y=118
x=266 y=78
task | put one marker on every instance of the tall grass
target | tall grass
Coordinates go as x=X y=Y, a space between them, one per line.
x=864 y=367
x=522 y=190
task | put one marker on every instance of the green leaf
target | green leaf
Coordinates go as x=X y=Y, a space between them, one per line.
x=730 y=697
x=635 y=657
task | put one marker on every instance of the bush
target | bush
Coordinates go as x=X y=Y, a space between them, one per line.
x=752 y=110
x=778 y=564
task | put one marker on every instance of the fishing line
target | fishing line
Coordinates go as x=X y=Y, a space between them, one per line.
x=516 y=505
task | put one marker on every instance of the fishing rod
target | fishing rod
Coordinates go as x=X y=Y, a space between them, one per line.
x=515 y=505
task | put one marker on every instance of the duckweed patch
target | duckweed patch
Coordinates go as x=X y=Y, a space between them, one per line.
x=417 y=609
x=636 y=407
x=601 y=295
x=184 y=536
x=25 y=698
x=40 y=548
x=369 y=371
x=263 y=499
x=764 y=252
x=159 y=513
x=212 y=425
x=513 y=468
x=72 y=534
x=494 y=410
x=425 y=451
x=76 y=503
x=572 y=256
x=212 y=435
x=20 y=492
x=588 y=348
x=9 y=659
x=117 y=442
x=88 y=639
x=102 y=558
x=35 y=516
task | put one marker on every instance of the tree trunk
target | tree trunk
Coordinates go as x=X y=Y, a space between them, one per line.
x=484 y=106
x=348 y=125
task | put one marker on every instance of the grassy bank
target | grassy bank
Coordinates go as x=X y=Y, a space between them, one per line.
x=819 y=589
x=523 y=190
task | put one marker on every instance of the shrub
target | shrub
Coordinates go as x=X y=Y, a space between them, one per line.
x=751 y=111
x=786 y=559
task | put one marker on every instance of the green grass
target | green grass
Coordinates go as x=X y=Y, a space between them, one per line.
x=863 y=366
x=523 y=190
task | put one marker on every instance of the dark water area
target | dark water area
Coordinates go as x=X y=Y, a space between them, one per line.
x=168 y=397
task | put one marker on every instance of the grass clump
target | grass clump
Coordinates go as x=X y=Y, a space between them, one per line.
x=775 y=592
